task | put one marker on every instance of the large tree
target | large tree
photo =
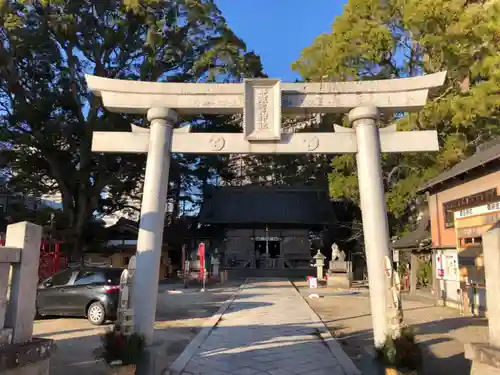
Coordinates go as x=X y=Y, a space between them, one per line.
x=48 y=115
x=375 y=39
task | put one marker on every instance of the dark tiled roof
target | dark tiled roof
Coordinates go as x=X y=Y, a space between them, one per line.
x=123 y=228
x=471 y=252
x=486 y=153
x=266 y=205
x=413 y=240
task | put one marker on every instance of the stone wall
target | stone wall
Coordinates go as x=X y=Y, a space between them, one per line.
x=39 y=368
x=28 y=358
x=20 y=353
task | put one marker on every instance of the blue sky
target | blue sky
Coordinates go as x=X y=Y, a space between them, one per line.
x=278 y=30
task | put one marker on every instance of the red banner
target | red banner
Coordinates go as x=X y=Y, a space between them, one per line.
x=201 y=255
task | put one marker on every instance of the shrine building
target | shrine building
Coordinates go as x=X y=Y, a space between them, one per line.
x=267 y=229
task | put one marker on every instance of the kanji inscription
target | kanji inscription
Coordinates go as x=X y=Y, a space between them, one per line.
x=262 y=108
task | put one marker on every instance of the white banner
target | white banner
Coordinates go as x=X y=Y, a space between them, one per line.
x=479 y=210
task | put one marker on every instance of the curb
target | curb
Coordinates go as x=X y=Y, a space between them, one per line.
x=334 y=347
x=182 y=360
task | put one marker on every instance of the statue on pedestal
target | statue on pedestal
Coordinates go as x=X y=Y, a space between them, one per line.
x=341 y=257
x=335 y=252
x=338 y=270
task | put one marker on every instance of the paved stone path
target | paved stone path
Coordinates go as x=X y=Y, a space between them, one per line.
x=268 y=329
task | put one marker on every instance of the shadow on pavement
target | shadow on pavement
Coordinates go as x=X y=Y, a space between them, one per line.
x=276 y=346
x=358 y=345
x=441 y=331
x=179 y=319
x=287 y=347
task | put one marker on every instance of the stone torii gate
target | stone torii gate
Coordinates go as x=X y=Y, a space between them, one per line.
x=262 y=102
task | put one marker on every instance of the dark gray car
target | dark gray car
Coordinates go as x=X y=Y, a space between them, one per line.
x=90 y=292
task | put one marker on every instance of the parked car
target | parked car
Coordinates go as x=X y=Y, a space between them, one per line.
x=90 y=292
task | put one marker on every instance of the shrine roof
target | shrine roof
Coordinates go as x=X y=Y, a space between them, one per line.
x=416 y=239
x=123 y=229
x=486 y=153
x=253 y=204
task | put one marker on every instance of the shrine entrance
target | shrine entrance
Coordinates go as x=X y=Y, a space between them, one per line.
x=261 y=103
x=267 y=254
x=274 y=249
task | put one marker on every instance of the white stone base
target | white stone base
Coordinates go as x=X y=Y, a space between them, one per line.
x=339 y=280
x=485 y=359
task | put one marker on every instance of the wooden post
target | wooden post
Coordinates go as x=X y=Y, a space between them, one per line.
x=435 y=285
x=186 y=274
x=413 y=273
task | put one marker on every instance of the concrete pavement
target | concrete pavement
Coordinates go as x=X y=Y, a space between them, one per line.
x=268 y=329
x=180 y=315
x=441 y=332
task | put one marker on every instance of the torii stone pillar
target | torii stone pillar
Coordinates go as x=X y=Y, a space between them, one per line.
x=262 y=101
x=154 y=200
x=373 y=213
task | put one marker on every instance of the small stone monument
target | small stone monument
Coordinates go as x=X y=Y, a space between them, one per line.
x=395 y=309
x=320 y=264
x=214 y=260
x=125 y=308
x=338 y=270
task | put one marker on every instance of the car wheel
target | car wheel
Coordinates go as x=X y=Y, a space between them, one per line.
x=96 y=313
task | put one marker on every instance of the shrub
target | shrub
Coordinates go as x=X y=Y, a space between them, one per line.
x=401 y=352
x=121 y=349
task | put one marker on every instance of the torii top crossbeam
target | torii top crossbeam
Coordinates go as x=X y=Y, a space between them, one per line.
x=404 y=94
x=262 y=102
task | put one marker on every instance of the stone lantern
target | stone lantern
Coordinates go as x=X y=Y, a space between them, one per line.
x=320 y=263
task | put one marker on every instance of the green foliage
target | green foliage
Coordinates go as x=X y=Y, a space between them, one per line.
x=394 y=38
x=424 y=274
x=401 y=352
x=47 y=115
x=402 y=269
x=284 y=169
x=346 y=230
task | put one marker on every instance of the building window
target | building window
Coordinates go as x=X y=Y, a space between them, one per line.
x=449 y=217
x=470 y=241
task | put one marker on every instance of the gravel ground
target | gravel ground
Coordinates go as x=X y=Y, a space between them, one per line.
x=180 y=315
x=442 y=331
